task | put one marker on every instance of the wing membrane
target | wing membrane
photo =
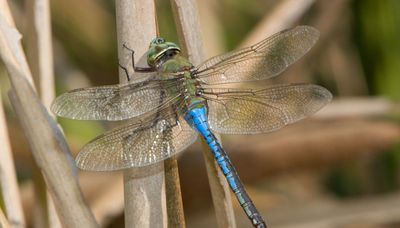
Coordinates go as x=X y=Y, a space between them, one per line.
x=137 y=144
x=263 y=60
x=114 y=102
x=241 y=111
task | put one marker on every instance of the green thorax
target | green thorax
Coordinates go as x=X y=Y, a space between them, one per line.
x=190 y=85
x=176 y=63
x=166 y=58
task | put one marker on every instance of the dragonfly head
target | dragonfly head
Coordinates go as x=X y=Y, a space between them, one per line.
x=158 y=49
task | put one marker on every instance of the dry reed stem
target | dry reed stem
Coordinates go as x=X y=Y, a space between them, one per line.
x=173 y=192
x=211 y=27
x=40 y=57
x=372 y=211
x=52 y=156
x=8 y=178
x=308 y=145
x=40 y=50
x=8 y=24
x=144 y=188
x=359 y=107
x=328 y=15
x=176 y=217
x=284 y=15
x=9 y=186
x=39 y=209
x=104 y=194
x=189 y=31
x=3 y=221
x=48 y=145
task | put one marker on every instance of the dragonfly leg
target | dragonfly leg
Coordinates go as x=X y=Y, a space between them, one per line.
x=126 y=71
x=136 y=68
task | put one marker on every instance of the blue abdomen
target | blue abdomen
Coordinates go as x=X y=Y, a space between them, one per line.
x=197 y=118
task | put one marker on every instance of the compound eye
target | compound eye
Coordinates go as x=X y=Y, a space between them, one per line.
x=160 y=41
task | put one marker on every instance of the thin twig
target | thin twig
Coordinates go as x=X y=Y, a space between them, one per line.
x=48 y=145
x=40 y=57
x=176 y=216
x=8 y=178
x=188 y=25
x=144 y=188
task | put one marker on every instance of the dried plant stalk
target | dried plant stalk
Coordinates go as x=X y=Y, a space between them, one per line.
x=3 y=221
x=39 y=49
x=52 y=156
x=48 y=145
x=188 y=25
x=144 y=188
x=8 y=178
x=173 y=192
x=176 y=217
x=371 y=211
x=39 y=209
x=282 y=16
x=40 y=57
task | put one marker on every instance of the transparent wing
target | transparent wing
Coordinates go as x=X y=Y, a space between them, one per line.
x=241 y=111
x=263 y=60
x=137 y=144
x=114 y=102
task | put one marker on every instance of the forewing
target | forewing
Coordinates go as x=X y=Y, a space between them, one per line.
x=263 y=60
x=137 y=144
x=238 y=111
x=114 y=102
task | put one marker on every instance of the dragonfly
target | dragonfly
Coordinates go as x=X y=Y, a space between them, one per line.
x=168 y=104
